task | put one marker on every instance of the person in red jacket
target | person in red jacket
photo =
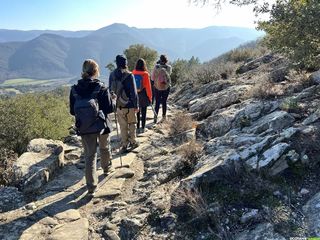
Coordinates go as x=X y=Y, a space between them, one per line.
x=144 y=92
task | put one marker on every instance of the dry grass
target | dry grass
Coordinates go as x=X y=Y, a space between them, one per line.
x=180 y=123
x=265 y=89
x=244 y=54
x=300 y=78
x=191 y=150
x=190 y=153
x=193 y=199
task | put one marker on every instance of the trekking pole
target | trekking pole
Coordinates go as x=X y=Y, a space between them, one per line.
x=154 y=112
x=116 y=119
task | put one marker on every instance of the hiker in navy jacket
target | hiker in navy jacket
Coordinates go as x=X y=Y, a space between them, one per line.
x=122 y=84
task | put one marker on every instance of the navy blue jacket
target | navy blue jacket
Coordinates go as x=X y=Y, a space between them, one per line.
x=129 y=85
x=85 y=87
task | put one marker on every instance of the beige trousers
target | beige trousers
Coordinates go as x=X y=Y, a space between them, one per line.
x=89 y=143
x=127 y=120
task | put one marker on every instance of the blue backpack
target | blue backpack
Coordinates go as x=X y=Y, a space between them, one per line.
x=89 y=119
x=139 y=83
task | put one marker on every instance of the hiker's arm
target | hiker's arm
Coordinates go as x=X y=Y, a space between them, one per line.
x=105 y=102
x=111 y=83
x=71 y=103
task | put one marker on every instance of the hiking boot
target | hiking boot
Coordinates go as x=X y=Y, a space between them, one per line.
x=123 y=150
x=143 y=130
x=133 y=146
x=108 y=171
x=91 y=192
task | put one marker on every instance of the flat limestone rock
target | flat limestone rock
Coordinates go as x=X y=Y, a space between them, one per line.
x=127 y=160
x=312 y=212
x=68 y=216
x=111 y=235
x=123 y=173
x=111 y=189
x=76 y=230
x=262 y=231
x=107 y=193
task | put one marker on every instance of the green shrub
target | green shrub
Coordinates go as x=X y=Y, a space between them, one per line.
x=29 y=116
x=205 y=73
x=182 y=69
x=290 y=105
x=293 y=30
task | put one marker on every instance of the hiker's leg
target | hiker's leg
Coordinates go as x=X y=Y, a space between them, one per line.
x=104 y=146
x=123 y=122
x=164 y=99
x=143 y=116
x=132 y=120
x=89 y=143
x=158 y=99
x=138 y=119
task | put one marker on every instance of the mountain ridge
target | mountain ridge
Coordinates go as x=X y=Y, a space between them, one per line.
x=52 y=55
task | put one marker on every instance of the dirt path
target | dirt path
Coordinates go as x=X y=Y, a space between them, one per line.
x=62 y=209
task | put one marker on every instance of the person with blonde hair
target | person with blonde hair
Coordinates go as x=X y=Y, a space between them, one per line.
x=90 y=103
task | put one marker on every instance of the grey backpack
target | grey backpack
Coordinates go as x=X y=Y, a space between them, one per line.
x=89 y=119
x=117 y=86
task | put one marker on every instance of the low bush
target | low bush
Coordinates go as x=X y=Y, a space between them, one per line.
x=182 y=70
x=245 y=52
x=28 y=116
x=205 y=73
x=290 y=105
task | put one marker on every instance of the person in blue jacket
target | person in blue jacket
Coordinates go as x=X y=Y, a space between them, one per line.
x=122 y=84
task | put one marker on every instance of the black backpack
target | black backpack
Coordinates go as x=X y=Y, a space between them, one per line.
x=89 y=119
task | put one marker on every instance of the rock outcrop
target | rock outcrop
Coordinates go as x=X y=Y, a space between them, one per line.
x=35 y=167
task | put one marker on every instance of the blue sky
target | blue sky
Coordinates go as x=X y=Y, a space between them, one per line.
x=94 y=14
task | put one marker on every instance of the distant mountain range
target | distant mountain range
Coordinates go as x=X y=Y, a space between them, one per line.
x=56 y=54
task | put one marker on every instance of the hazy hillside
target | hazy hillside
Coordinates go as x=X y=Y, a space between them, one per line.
x=56 y=55
x=7 y=35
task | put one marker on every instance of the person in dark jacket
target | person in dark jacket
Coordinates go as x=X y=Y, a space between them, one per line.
x=122 y=84
x=84 y=90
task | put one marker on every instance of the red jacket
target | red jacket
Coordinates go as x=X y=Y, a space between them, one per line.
x=145 y=82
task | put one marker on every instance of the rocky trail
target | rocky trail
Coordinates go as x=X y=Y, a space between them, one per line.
x=54 y=204
x=241 y=163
